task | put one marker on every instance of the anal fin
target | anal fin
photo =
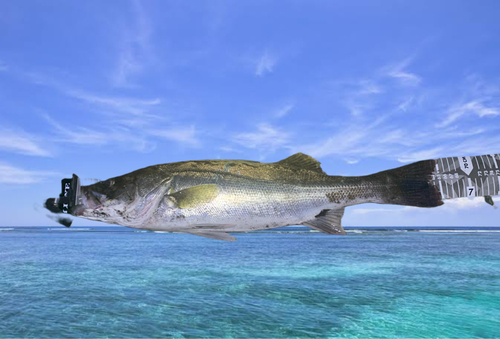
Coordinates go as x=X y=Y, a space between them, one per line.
x=328 y=221
x=215 y=235
x=210 y=227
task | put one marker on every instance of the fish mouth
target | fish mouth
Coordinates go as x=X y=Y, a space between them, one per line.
x=74 y=199
x=69 y=198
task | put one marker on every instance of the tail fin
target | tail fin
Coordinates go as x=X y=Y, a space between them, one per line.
x=427 y=183
x=409 y=185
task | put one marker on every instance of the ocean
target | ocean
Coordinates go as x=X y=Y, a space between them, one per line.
x=114 y=282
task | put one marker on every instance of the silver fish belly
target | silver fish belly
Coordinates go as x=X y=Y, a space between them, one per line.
x=211 y=198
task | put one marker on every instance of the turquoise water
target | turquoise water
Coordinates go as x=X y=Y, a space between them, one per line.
x=121 y=283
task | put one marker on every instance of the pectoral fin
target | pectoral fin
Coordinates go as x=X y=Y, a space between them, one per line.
x=215 y=235
x=328 y=221
x=195 y=196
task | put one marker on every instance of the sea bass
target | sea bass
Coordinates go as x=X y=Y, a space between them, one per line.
x=212 y=198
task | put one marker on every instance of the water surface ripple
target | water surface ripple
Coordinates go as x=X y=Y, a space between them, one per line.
x=266 y=285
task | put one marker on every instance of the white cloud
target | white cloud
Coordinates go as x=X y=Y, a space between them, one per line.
x=135 y=48
x=367 y=87
x=21 y=142
x=398 y=71
x=123 y=137
x=356 y=106
x=280 y=113
x=410 y=128
x=78 y=135
x=406 y=103
x=127 y=66
x=432 y=153
x=382 y=138
x=351 y=161
x=342 y=143
x=266 y=137
x=129 y=130
x=454 y=133
x=406 y=77
x=472 y=107
x=14 y=175
x=132 y=106
x=356 y=139
x=128 y=105
x=183 y=135
x=358 y=96
x=466 y=204
x=265 y=64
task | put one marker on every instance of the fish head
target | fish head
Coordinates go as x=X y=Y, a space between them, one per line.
x=128 y=200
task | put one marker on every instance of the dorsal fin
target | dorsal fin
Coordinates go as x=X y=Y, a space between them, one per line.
x=328 y=221
x=302 y=161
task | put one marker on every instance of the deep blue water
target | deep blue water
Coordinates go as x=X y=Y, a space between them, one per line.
x=114 y=282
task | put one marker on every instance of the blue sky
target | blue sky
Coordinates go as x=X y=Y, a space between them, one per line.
x=101 y=88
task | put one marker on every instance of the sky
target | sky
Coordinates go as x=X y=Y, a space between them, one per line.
x=102 y=88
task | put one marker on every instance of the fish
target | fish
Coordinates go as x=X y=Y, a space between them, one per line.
x=213 y=198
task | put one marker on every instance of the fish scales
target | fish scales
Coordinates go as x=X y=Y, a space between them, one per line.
x=213 y=197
